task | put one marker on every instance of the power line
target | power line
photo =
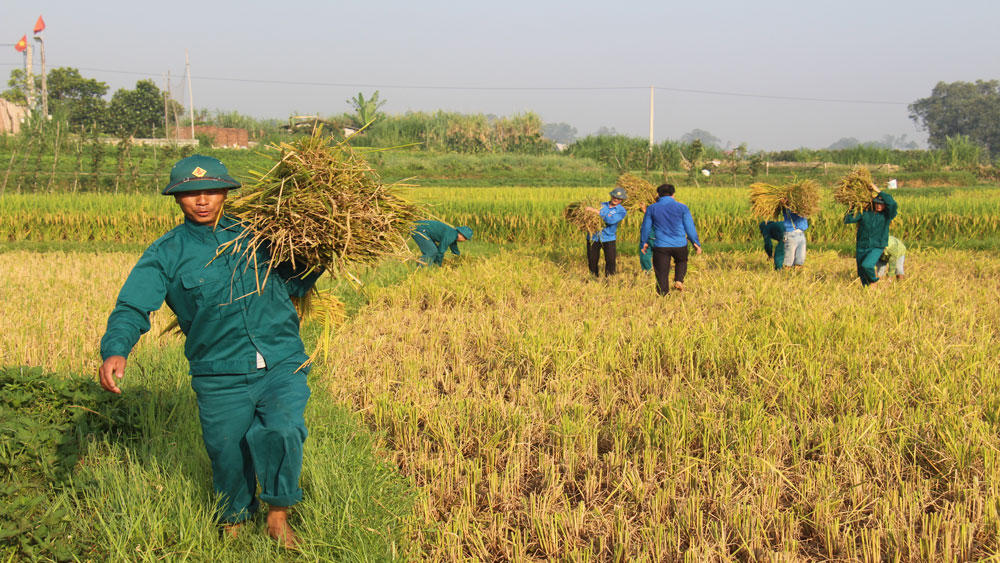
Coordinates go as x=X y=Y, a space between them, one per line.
x=510 y=88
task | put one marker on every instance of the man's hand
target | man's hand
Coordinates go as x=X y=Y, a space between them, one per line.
x=874 y=188
x=594 y=209
x=697 y=248
x=644 y=247
x=112 y=368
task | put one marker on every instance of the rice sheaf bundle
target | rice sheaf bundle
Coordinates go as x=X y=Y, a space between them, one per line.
x=580 y=217
x=854 y=190
x=767 y=200
x=321 y=206
x=640 y=192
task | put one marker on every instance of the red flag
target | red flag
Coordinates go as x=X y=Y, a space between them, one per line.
x=39 y=25
x=22 y=45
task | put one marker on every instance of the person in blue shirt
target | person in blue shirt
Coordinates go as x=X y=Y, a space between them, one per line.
x=795 y=238
x=674 y=228
x=612 y=212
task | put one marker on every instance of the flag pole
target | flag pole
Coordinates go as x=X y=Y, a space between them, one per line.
x=187 y=66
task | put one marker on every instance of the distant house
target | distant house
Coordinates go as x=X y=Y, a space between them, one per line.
x=223 y=137
x=11 y=117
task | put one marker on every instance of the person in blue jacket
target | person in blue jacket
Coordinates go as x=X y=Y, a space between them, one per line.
x=795 y=238
x=612 y=212
x=433 y=238
x=674 y=228
x=774 y=233
x=873 y=233
x=242 y=344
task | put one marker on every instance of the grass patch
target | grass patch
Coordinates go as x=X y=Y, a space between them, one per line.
x=93 y=476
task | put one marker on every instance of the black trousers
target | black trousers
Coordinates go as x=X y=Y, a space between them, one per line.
x=661 y=265
x=610 y=256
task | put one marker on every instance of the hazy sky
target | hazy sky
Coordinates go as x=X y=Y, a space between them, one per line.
x=776 y=74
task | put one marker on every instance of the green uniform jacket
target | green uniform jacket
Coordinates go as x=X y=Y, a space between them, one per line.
x=441 y=235
x=873 y=228
x=226 y=321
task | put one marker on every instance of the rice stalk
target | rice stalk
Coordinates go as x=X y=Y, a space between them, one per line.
x=767 y=200
x=640 y=192
x=321 y=206
x=578 y=215
x=854 y=190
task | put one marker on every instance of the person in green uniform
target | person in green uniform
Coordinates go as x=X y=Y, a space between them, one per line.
x=646 y=258
x=873 y=233
x=241 y=340
x=892 y=259
x=774 y=232
x=433 y=238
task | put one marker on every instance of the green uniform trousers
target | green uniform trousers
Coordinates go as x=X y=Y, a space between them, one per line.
x=646 y=260
x=254 y=428
x=428 y=249
x=866 y=259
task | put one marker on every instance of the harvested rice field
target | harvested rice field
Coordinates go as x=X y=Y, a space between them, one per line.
x=509 y=407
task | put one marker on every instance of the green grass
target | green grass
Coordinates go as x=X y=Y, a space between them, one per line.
x=138 y=485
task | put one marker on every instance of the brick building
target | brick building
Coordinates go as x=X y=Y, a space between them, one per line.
x=221 y=136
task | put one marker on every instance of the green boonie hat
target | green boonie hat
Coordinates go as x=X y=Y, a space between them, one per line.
x=465 y=232
x=618 y=193
x=199 y=172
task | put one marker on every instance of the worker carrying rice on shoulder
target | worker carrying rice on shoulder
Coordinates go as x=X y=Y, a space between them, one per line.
x=674 y=227
x=891 y=263
x=241 y=341
x=611 y=212
x=774 y=234
x=433 y=238
x=794 y=239
x=873 y=233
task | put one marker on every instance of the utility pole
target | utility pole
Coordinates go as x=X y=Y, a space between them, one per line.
x=166 y=104
x=29 y=76
x=187 y=66
x=650 y=119
x=45 y=90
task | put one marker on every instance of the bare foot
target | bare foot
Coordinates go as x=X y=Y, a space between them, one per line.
x=679 y=286
x=231 y=530
x=279 y=529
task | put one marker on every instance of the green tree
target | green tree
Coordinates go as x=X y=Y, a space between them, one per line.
x=961 y=108
x=81 y=98
x=366 y=111
x=707 y=139
x=559 y=132
x=18 y=87
x=135 y=112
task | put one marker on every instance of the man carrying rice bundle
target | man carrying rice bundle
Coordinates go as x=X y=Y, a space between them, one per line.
x=873 y=233
x=674 y=227
x=433 y=238
x=611 y=212
x=242 y=344
x=794 y=239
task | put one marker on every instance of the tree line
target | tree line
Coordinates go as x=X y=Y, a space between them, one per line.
x=961 y=118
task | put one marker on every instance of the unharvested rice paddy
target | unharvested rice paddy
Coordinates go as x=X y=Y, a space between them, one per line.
x=541 y=415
